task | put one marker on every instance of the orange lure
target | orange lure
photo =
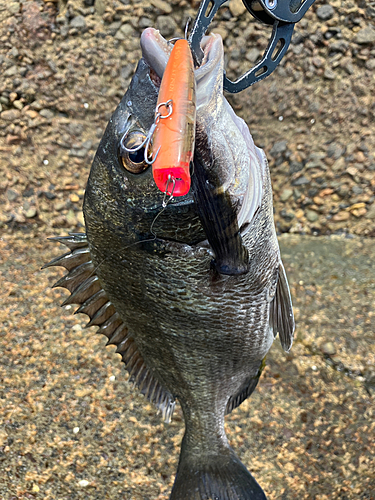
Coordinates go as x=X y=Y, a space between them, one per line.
x=175 y=130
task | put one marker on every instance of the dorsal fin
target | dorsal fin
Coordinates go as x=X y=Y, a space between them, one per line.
x=87 y=292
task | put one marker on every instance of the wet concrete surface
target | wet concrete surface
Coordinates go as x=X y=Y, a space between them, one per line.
x=71 y=427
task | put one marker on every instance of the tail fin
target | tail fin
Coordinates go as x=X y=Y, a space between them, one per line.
x=214 y=477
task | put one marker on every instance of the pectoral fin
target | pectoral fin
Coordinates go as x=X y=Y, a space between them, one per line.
x=219 y=220
x=281 y=311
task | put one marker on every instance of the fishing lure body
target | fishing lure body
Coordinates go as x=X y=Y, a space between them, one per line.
x=174 y=134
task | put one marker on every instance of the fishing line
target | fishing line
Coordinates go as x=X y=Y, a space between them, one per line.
x=164 y=206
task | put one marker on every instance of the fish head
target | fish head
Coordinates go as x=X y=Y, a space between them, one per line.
x=229 y=170
x=121 y=193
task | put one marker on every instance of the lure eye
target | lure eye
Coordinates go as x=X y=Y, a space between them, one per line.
x=133 y=161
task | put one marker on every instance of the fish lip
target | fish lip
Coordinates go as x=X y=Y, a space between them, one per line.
x=156 y=51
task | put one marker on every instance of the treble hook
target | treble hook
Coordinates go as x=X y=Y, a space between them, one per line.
x=146 y=143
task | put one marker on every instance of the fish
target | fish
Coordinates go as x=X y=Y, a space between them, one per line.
x=191 y=290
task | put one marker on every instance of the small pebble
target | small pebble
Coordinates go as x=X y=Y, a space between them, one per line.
x=366 y=36
x=18 y=104
x=12 y=71
x=74 y=198
x=78 y=22
x=300 y=181
x=341 y=216
x=80 y=218
x=286 y=194
x=236 y=7
x=60 y=205
x=328 y=348
x=71 y=218
x=253 y=54
x=311 y=216
x=165 y=7
x=325 y=12
x=46 y=113
x=12 y=195
x=371 y=213
x=13 y=7
x=167 y=25
x=329 y=74
x=10 y=115
x=278 y=148
x=31 y=212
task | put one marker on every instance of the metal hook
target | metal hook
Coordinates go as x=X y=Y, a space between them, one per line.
x=186 y=32
x=146 y=143
x=173 y=39
x=158 y=117
x=187 y=27
x=131 y=150
x=170 y=179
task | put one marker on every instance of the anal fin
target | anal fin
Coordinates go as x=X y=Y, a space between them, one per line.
x=245 y=391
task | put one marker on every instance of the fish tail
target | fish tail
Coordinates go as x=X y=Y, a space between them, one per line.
x=214 y=477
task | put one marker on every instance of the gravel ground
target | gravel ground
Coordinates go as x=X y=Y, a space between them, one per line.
x=72 y=428
x=66 y=64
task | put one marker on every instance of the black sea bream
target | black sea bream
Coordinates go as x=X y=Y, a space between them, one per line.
x=193 y=295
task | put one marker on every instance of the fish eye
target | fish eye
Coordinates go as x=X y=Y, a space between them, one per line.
x=134 y=161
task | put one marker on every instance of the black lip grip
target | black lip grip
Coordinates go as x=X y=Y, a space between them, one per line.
x=287 y=11
x=281 y=14
x=206 y=12
x=278 y=45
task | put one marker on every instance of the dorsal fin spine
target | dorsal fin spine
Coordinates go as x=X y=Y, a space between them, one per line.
x=86 y=291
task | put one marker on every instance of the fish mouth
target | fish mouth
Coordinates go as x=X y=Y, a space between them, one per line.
x=242 y=179
x=156 y=51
